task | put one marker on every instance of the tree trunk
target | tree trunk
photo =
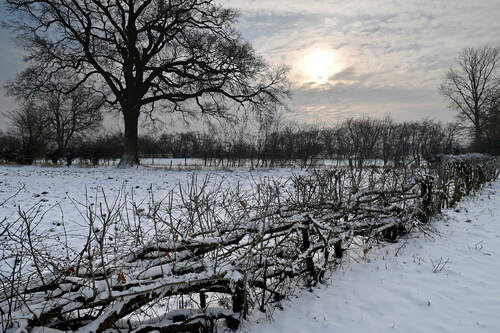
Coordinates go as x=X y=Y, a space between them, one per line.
x=477 y=134
x=130 y=157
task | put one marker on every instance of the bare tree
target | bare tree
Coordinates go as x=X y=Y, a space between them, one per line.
x=64 y=116
x=388 y=134
x=472 y=84
x=184 y=54
x=363 y=135
x=72 y=115
x=492 y=129
x=28 y=125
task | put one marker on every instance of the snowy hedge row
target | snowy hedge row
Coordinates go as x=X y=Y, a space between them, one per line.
x=202 y=254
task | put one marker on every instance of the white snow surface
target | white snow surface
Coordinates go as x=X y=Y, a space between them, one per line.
x=62 y=192
x=447 y=283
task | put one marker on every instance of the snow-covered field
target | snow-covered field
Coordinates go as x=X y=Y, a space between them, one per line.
x=447 y=283
x=61 y=192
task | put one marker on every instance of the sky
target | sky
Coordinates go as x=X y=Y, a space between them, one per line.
x=350 y=58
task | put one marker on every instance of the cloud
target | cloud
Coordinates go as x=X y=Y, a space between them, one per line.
x=350 y=75
x=336 y=102
x=392 y=54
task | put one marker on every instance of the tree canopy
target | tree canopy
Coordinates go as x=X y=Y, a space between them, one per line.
x=472 y=86
x=62 y=116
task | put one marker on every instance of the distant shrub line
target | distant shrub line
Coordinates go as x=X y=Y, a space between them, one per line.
x=276 y=145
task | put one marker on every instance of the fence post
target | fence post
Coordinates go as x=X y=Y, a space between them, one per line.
x=263 y=302
x=203 y=300
x=239 y=305
x=426 y=188
x=339 y=251
x=306 y=243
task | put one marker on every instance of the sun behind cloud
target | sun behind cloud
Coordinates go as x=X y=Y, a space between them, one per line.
x=316 y=65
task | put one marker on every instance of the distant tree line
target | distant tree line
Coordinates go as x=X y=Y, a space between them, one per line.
x=353 y=141
x=56 y=125
x=89 y=150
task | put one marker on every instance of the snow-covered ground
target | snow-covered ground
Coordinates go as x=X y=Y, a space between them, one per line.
x=61 y=193
x=447 y=283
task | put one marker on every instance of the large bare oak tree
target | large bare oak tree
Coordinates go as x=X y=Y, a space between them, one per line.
x=473 y=85
x=177 y=55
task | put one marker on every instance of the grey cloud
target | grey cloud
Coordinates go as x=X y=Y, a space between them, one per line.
x=348 y=73
x=351 y=75
x=340 y=101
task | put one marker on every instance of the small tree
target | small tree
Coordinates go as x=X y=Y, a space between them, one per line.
x=9 y=143
x=64 y=116
x=492 y=129
x=184 y=54
x=28 y=125
x=471 y=86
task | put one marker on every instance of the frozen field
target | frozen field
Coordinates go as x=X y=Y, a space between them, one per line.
x=447 y=283
x=61 y=193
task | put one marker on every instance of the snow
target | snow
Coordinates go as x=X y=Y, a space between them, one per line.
x=444 y=283
x=61 y=192
x=463 y=157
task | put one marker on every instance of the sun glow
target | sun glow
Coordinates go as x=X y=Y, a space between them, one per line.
x=318 y=65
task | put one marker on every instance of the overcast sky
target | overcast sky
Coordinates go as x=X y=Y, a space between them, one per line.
x=352 y=58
